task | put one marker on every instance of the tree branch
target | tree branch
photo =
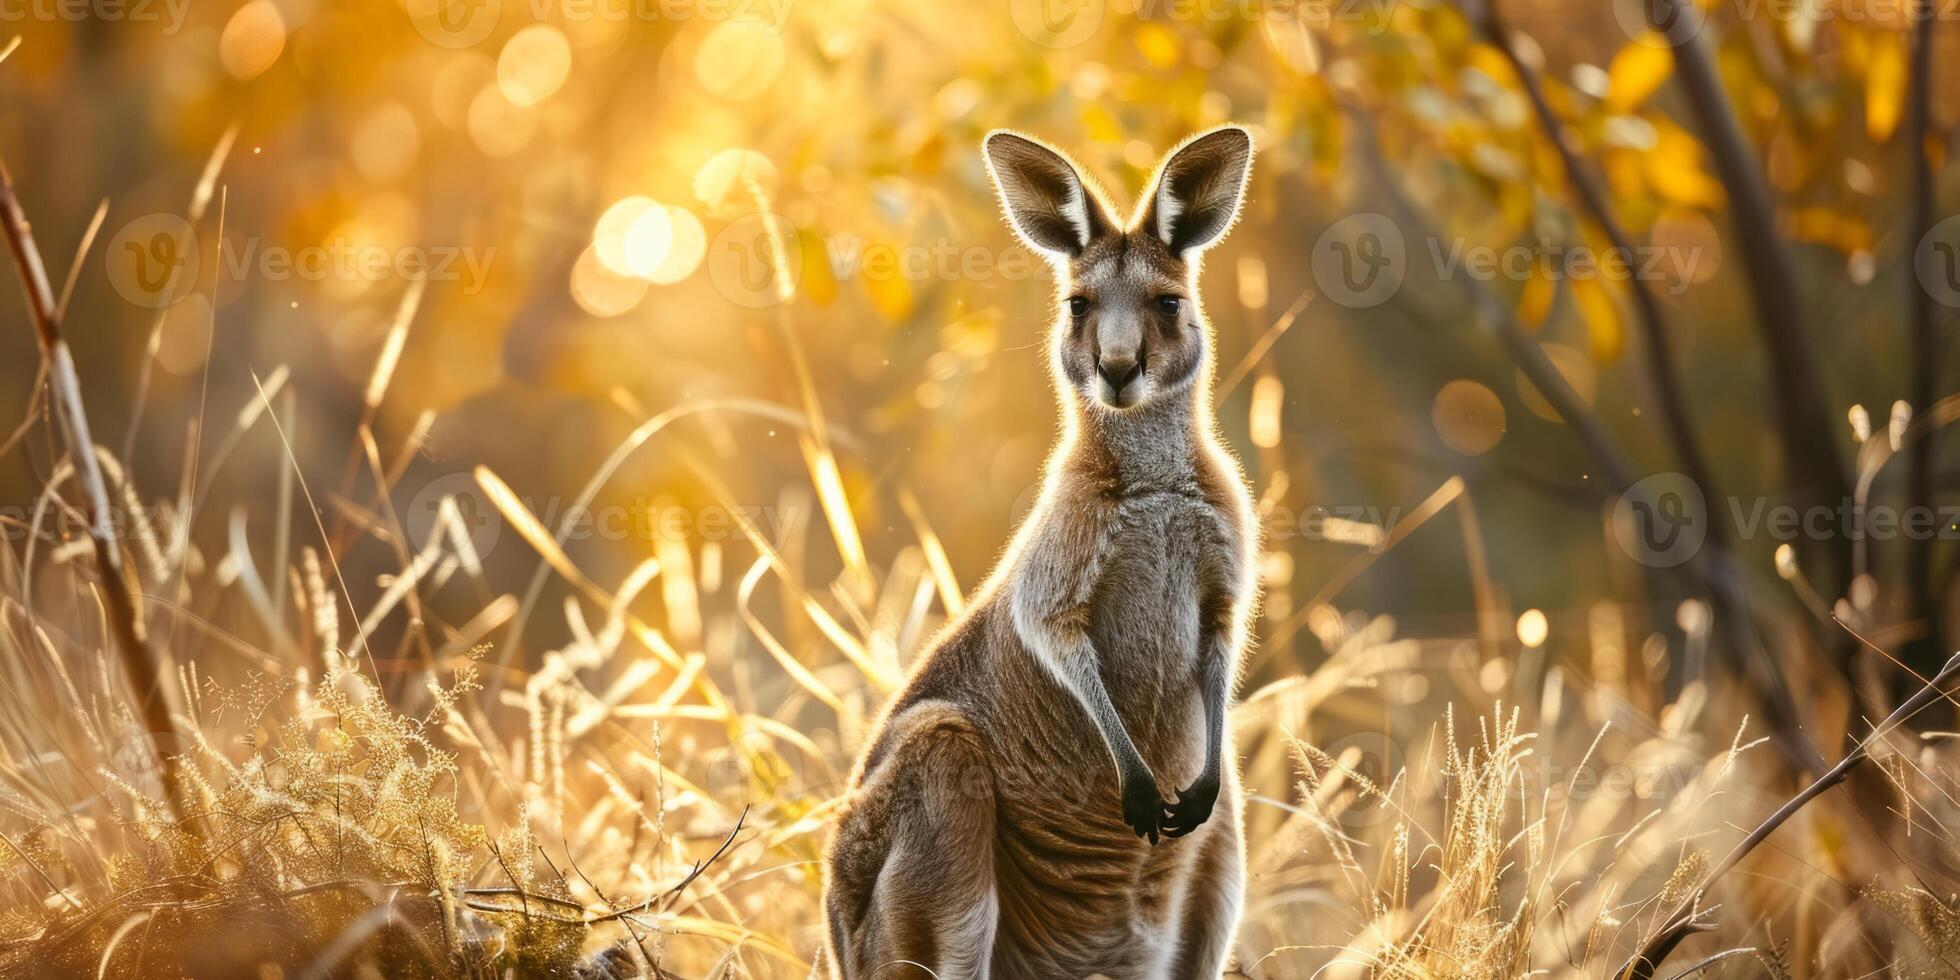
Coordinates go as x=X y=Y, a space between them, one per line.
x=1723 y=578
x=1803 y=418
x=1715 y=571
x=1924 y=350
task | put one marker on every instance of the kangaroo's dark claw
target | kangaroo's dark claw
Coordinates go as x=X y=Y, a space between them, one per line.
x=1192 y=809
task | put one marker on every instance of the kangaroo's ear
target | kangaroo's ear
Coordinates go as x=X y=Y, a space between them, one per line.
x=1198 y=192
x=1045 y=198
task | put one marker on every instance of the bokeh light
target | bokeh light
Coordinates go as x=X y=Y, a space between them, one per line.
x=533 y=65
x=1468 y=417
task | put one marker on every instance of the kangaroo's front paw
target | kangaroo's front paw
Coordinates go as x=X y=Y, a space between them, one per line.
x=1193 y=807
x=1143 y=806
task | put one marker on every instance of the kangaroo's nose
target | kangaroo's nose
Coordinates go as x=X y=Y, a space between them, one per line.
x=1119 y=371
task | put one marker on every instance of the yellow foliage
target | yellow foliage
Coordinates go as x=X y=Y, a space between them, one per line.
x=1640 y=67
x=1604 y=327
x=1673 y=168
x=1885 y=84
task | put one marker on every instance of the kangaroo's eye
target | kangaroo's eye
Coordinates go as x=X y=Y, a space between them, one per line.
x=1078 y=307
x=1169 y=304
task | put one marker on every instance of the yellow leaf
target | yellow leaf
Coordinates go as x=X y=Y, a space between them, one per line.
x=1822 y=226
x=1885 y=85
x=1536 y=303
x=1857 y=45
x=819 y=283
x=1637 y=71
x=891 y=295
x=1624 y=173
x=1099 y=126
x=1158 y=44
x=1674 y=169
x=1603 y=326
x=1490 y=61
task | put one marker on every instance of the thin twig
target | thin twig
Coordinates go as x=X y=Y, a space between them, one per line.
x=1712 y=960
x=118 y=596
x=662 y=900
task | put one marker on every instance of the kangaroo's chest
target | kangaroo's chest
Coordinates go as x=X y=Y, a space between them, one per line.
x=1144 y=614
x=1145 y=627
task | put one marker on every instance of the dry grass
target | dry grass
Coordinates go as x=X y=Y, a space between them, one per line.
x=365 y=788
x=465 y=817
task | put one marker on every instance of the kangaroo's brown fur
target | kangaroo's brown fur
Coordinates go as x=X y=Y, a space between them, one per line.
x=987 y=832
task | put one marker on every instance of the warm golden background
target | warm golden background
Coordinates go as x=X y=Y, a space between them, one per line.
x=381 y=298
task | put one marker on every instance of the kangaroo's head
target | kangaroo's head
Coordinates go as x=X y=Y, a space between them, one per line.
x=1130 y=331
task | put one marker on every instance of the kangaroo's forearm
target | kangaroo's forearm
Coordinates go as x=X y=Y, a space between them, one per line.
x=1074 y=662
x=1215 y=687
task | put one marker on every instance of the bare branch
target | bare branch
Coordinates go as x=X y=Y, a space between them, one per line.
x=118 y=595
x=1924 y=350
x=1803 y=418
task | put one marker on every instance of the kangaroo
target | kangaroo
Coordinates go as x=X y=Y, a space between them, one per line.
x=1008 y=816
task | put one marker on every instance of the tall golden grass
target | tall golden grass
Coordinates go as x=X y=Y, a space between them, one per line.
x=633 y=805
x=346 y=786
